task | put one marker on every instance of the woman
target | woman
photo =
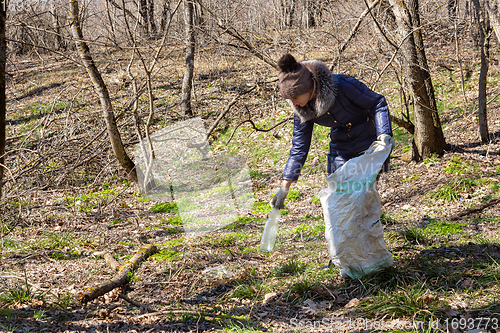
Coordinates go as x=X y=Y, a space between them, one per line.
x=356 y=115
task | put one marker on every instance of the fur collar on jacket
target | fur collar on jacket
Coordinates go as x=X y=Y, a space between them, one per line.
x=326 y=92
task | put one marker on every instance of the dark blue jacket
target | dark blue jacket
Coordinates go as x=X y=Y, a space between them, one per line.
x=356 y=116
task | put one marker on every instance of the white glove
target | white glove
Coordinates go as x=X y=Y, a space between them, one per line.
x=278 y=200
x=386 y=139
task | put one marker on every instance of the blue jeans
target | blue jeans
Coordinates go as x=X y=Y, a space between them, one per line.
x=336 y=161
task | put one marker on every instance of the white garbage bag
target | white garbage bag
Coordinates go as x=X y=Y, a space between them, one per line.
x=352 y=208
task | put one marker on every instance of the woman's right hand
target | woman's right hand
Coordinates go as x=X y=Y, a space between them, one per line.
x=278 y=200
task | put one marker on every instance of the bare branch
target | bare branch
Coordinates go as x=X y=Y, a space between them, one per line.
x=125 y=10
x=121 y=277
x=256 y=128
x=406 y=125
x=354 y=30
x=382 y=32
x=479 y=208
x=232 y=32
x=226 y=110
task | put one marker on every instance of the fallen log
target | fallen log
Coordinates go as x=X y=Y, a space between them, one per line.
x=121 y=277
x=479 y=208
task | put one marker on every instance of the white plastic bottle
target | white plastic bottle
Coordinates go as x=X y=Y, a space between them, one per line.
x=270 y=230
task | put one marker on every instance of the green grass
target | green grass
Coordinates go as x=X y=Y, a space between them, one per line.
x=261 y=207
x=40 y=315
x=411 y=178
x=432 y=159
x=174 y=230
x=91 y=200
x=387 y=219
x=58 y=241
x=308 y=230
x=257 y=174
x=6 y=312
x=7 y=243
x=64 y=301
x=167 y=255
x=239 y=324
x=290 y=268
x=175 y=242
x=452 y=191
x=164 y=222
x=300 y=290
x=243 y=222
x=440 y=228
x=401 y=136
x=414 y=235
x=165 y=207
x=36 y=110
x=293 y=195
x=9 y=328
x=457 y=166
x=17 y=295
x=251 y=249
x=311 y=218
x=491 y=270
x=250 y=290
x=228 y=239
x=412 y=301
x=174 y=220
x=315 y=200
x=20 y=294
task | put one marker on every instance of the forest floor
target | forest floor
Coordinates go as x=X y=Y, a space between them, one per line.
x=67 y=200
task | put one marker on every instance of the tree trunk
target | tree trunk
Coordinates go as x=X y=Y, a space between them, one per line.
x=492 y=7
x=3 y=59
x=424 y=67
x=165 y=14
x=315 y=12
x=187 y=83
x=452 y=10
x=102 y=91
x=291 y=12
x=199 y=16
x=428 y=138
x=151 y=16
x=59 y=43
x=485 y=33
x=288 y=9
x=143 y=12
x=311 y=13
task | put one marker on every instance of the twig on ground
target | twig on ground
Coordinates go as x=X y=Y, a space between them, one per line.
x=121 y=278
x=110 y=261
x=159 y=313
x=135 y=303
x=479 y=208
